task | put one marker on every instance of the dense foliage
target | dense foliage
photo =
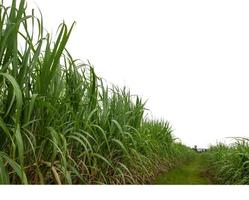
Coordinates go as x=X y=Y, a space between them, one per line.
x=60 y=124
x=230 y=164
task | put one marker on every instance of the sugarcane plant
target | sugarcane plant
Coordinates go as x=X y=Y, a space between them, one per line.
x=62 y=124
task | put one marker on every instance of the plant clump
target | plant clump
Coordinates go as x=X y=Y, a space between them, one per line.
x=61 y=124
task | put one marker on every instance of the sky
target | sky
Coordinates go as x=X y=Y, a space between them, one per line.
x=188 y=59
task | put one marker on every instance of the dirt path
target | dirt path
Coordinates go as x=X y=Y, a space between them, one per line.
x=190 y=173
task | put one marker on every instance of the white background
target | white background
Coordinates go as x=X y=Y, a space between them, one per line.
x=144 y=192
x=189 y=59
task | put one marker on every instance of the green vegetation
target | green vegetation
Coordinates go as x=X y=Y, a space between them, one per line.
x=221 y=164
x=192 y=172
x=230 y=164
x=61 y=124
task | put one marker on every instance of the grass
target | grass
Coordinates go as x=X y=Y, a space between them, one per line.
x=188 y=173
x=61 y=124
x=230 y=164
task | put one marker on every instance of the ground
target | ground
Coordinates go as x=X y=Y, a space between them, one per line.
x=192 y=172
